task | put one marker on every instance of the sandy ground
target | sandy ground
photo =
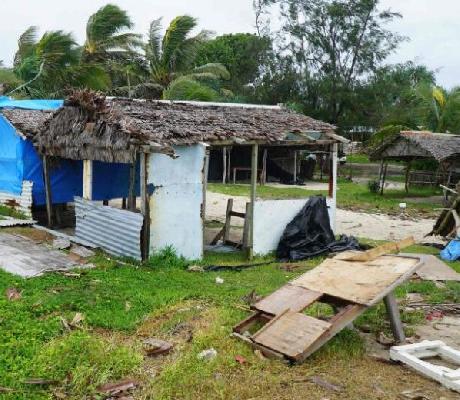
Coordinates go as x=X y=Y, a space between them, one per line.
x=359 y=224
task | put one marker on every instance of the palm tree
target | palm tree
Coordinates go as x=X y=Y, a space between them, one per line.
x=171 y=61
x=106 y=38
x=50 y=65
x=439 y=108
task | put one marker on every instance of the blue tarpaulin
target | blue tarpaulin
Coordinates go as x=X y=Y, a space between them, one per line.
x=19 y=161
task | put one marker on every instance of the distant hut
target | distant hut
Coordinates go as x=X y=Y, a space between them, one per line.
x=409 y=146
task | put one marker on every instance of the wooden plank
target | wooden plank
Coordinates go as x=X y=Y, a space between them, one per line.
x=359 y=282
x=377 y=251
x=291 y=334
x=132 y=187
x=228 y=219
x=88 y=179
x=246 y=226
x=254 y=165
x=145 y=209
x=294 y=298
x=394 y=317
x=237 y=214
x=219 y=236
x=340 y=321
x=48 y=196
x=224 y=166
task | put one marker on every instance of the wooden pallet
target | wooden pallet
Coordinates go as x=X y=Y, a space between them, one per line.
x=280 y=328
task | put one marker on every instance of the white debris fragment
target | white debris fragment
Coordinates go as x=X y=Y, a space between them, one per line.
x=219 y=281
x=208 y=354
x=61 y=244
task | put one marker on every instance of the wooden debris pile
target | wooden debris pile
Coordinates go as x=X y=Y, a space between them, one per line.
x=348 y=284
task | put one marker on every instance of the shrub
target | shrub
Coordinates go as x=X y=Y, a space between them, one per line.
x=374 y=186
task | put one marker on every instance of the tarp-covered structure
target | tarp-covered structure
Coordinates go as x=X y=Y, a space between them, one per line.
x=20 y=122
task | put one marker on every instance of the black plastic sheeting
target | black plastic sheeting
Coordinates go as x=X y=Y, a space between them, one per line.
x=309 y=234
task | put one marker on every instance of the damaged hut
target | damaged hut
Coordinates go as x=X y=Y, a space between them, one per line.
x=22 y=184
x=171 y=142
x=409 y=146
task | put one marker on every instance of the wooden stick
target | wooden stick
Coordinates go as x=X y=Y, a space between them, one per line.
x=145 y=209
x=46 y=179
x=394 y=317
x=254 y=165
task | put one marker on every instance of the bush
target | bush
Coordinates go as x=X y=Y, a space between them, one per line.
x=374 y=186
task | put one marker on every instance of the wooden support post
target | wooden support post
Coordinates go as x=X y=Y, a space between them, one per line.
x=88 y=179
x=247 y=222
x=228 y=219
x=132 y=187
x=408 y=168
x=384 y=178
x=333 y=172
x=46 y=180
x=295 y=167
x=145 y=209
x=205 y=184
x=229 y=163
x=254 y=168
x=224 y=160
x=263 y=179
x=395 y=318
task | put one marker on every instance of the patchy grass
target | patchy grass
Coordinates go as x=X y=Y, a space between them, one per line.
x=358 y=159
x=10 y=212
x=350 y=195
x=123 y=305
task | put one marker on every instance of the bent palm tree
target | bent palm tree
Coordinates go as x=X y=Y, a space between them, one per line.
x=171 y=60
x=105 y=36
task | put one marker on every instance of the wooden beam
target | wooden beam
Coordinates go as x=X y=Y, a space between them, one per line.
x=254 y=169
x=145 y=209
x=228 y=219
x=88 y=179
x=224 y=166
x=132 y=187
x=46 y=180
x=408 y=168
x=384 y=178
x=394 y=317
x=263 y=179
x=295 y=167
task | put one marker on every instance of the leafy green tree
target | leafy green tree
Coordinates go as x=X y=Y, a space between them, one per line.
x=334 y=45
x=243 y=54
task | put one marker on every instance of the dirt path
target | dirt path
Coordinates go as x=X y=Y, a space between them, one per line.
x=359 y=224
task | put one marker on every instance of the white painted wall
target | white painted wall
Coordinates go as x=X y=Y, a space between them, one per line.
x=271 y=218
x=175 y=205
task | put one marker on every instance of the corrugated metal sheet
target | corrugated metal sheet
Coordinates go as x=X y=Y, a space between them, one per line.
x=7 y=222
x=116 y=231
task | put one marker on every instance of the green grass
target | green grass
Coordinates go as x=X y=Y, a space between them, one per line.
x=358 y=159
x=350 y=195
x=10 y=212
x=121 y=302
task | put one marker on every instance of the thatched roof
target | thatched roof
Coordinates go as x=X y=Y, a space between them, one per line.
x=122 y=127
x=418 y=144
x=27 y=123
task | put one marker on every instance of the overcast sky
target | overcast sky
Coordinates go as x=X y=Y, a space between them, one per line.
x=432 y=26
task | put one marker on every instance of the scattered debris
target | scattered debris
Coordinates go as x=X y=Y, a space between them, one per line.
x=290 y=267
x=219 y=281
x=40 y=381
x=251 y=298
x=259 y=355
x=208 y=354
x=434 y=315
x=413 y=355
x=349 y=287
x=445 y=308
x=155 y=347
x=118 y=388
x=434 y=269
x=195 y=268
x=240 y=359
x=12 y=294
x=416 y=394
x=81 y=251
x=61 y=244
x=385 y=340
x=325 y=384
x=5 y=389
x=75 y=323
